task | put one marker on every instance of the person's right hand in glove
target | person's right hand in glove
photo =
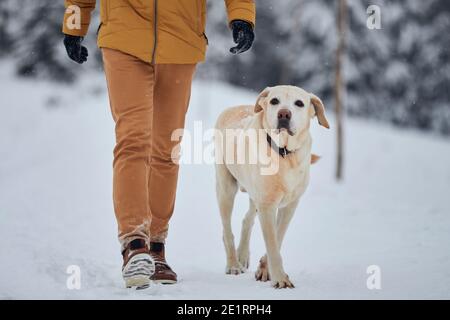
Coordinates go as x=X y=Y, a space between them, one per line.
x=75 y=50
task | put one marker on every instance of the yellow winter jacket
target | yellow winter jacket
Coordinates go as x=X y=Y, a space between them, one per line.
x=156 y=31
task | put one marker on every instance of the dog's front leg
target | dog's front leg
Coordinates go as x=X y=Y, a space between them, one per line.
x=267 y=218
x=284 y=217
x=226 y=189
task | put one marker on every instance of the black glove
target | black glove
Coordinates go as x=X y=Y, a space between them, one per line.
x=243 y=36
x=75 y=50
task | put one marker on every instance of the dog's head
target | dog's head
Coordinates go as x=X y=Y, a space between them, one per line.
x=288 y=110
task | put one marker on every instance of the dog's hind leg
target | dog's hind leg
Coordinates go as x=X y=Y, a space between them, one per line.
x=244 y=244
x=226 y=189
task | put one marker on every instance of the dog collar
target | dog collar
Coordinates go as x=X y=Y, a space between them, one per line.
x=283 y=152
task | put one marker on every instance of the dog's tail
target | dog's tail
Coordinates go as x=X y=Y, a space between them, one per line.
x=314 y=158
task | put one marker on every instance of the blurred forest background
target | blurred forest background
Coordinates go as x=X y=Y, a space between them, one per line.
x=398 y=74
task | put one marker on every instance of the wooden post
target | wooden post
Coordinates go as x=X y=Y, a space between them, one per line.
x=340 y=87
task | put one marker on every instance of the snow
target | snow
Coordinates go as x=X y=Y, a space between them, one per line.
x=56 y=142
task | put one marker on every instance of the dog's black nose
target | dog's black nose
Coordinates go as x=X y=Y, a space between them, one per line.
x=284 y=119
x=284 y=114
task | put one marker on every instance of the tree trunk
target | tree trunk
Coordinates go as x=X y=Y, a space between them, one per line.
x=340 y=87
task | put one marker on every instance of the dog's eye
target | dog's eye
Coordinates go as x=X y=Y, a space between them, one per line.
x=299 y=103
x=274 y=101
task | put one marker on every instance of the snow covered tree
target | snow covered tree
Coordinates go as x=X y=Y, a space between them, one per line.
x=30 y=33
x=401 y=72
x=6 y=40
x=39 y=41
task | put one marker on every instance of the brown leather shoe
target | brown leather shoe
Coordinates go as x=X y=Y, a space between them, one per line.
x=163 y=273
x=138 y=265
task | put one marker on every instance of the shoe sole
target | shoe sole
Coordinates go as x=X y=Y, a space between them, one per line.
x=164 y=281
x=137 y=283
x=138 y=271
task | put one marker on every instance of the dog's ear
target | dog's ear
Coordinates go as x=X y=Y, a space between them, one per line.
x=262 y=95
x=319 y=109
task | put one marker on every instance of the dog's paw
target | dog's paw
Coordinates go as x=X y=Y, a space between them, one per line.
x=282 y=283
x=235 y=269
x=244 y=258
x=262 y=274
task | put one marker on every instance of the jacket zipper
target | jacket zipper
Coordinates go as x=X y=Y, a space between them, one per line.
x=155 y=31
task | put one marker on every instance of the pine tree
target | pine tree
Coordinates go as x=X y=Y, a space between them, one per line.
x=6 y=37
x=30 y=33
x=401 y=72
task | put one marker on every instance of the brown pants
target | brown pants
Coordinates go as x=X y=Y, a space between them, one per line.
x=148 y=103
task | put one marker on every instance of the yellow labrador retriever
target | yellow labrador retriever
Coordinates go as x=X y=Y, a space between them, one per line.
x=283 y=115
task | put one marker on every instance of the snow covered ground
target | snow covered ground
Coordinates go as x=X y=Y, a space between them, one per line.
x=392 y=210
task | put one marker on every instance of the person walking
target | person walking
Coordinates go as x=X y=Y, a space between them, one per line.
x=150 y=50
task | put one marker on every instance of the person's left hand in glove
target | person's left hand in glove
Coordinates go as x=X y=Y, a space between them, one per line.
x=243 y=36
x=75 y=50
